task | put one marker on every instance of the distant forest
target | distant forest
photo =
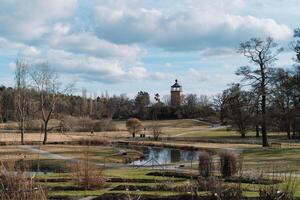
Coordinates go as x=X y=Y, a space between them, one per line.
x=266 y=99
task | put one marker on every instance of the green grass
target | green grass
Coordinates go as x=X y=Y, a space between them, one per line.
x=134 y=173
x=279 y=159
x=77 y=193
x=250 y=190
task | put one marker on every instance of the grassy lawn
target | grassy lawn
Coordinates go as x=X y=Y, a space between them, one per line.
x=277 y=159
x=250 y=190
x=101 y=154
x=255 y=159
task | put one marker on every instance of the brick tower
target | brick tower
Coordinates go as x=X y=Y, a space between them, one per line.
x=176 y=90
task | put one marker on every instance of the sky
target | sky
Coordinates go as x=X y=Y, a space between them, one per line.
x=125 y=46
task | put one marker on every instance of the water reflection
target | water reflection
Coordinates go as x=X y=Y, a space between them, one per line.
x=161 y=156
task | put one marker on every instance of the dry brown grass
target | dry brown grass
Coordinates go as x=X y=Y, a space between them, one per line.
x=17 y=184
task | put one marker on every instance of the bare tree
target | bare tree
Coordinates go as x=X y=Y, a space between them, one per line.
x=84 y=104
x=219 y=102
x=47 y=85
x=21 y=94
x=239 y=108
x=156 y=130
x=260 y=53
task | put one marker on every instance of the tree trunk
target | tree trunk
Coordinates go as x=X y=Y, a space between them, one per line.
x=222 y=116
x=294 y=129
x=288 y=129
x=263 y=123
x=257 y=130
x=263 y=108
x=45 y=132
x=22 y=131
x=243 y=134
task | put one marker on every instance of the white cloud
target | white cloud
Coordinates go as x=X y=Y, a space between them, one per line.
x=92 y=68
x=10 y=48
x=28 y=20
x=89 y=44
x=210 y=78
x=119 y=22
x=207 y=24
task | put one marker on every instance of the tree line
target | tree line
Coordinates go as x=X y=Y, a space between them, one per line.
x=39 y=95
x=268 y=97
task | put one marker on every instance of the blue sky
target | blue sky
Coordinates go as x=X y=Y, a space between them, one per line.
x=124 y=46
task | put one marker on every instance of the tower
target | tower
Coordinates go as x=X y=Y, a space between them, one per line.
x=176 y=90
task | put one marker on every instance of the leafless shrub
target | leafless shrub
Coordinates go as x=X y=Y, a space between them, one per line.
x=17 y=184
x=207 y=184
x=104 y=125
x=284 y=191
x=85 y=124
x=86 y=174
x=156 y=130
x=218 y=190
x=33 y=125
x=94 y=140
x=232 y=192
x=205 y=164
x=229 y=164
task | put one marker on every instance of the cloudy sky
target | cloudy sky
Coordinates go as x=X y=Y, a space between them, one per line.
x=124 y=46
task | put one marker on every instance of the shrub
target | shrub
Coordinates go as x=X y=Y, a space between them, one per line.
x=232 y=192
x=156 y=131
x=18 y=184
x=33 y=125
x=205 y=164
x=85 y=124
x=218 y=190
x=104 y=125
x=229 y=164
x=94 y=140
x=86 y=174
x=279 y=192
x=134 y=126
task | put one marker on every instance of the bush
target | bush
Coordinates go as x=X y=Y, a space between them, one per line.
x=93 y=141
x=218 y=190
x=33 y=125
x=205 y=164
x=229 y=164
x=233 y=192
x=86 y=124
x=104 y=125
x=18 y=184
x=279 y=192
x=87 y=175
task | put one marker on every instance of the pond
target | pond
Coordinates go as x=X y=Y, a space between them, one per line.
x=162 y=156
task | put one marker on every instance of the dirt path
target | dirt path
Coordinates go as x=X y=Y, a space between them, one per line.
x=55 y=156
x=47 y=154
x=214 y=128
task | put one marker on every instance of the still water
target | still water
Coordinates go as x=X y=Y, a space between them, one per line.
x=163 y=156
